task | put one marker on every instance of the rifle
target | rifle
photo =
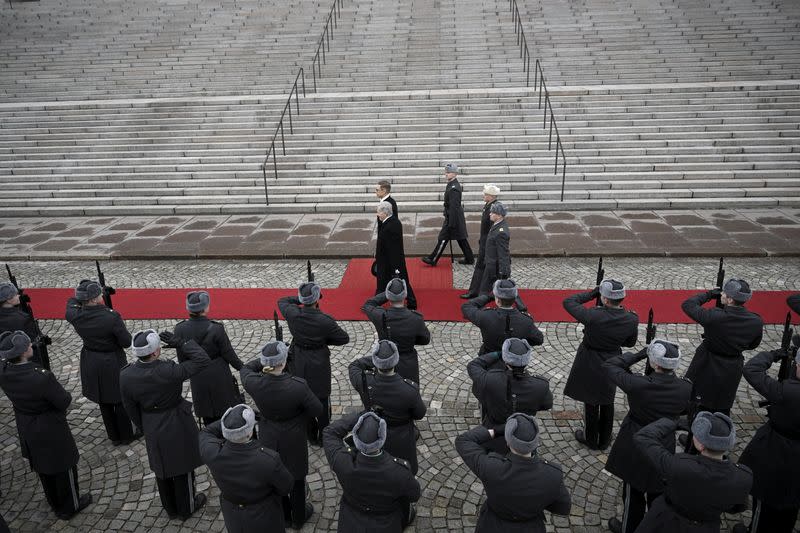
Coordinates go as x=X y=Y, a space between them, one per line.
x=107 y=290
x=601 y=274
x=720 y=280
x=40 y=340
x=308 y=271
x=649 y=336
x=386 y=329
x=278 y=327
x=786 y=368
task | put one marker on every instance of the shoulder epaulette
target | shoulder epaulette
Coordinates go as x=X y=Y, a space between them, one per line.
x=298 y=379
x=402 y=462
x=415 y=312
x=43 y=370
x=411 y=382
x=124 y=367
x=217 y=323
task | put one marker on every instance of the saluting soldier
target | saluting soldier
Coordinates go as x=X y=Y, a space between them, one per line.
x=454 y=227
x=490 y=193
x=105 y=339
x=400 y=325
x=503 y=387
x=214 y=390
x=377 y=489
x=497 y=258
x=394 y=398
x=774 y=453
x=793 y=302
x=697 y=488
x=250 y=477
x=309 y=356
x=285 y=403
x=12 y=318
x=660 y=394
x=519 y=486
x=606 y=329
x=504 y=321
x=40 y=409
x=152 y=390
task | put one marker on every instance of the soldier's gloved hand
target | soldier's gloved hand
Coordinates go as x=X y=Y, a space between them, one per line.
x=499 y=430
x=255 y=365
x=683 y=423
x=713 y=294
x=170 y=339
x=641 y=354
x=796 y=339
x=595 y=292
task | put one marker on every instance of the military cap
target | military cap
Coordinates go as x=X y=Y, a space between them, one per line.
x=87 y=289
x=451 y=167
x=664 y=354
x=715 y=431
x=385 y=355
x=505 y=289
x=238 y=422
x=197 y=301
x=396 y=290
x=7 y=291
x=369 y=433
x=274 y=353
x=522 y=433
x=612 y=289
x=145 y=342
x=13 y=344
x=498 y=208
x=738 y=289
x=516 y=352
x=309 y=292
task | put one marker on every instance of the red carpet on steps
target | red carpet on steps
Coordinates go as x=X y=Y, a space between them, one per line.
x=433 y=286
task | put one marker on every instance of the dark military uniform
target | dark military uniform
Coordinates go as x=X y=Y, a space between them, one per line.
x=285 y=403
x=309 y=356
x=658 y=395
x=480 y=263
x=606 y=329
x=518 y=489
x=397 y=401
x=251 y=480
x=697 y=489
x=793 y=302
x=105 y=339
x=152 y=394
x=15 y=319
x=497 y=256
x=716 y=368
x=498 y=324
x=407 y=329
x=774 y=452
x=40 y=409
x=376 y=489
x=390 y=259
x=454 y=227
x=214 y=389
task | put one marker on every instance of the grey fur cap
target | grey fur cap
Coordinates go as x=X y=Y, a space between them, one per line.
x=145 y=342
x=88 y=289
x=738 y=289
x=516 y=352
x=664 y=354
x=7 y=291
x=396 y=290
x=451 y=167
x=491 y=189
x=274 y=353
x=499 y=208
x=308 y=293
x=505 y=289
x=197 y=301
x=612 y=289
x=13 y=344
x=238 y=422
x=522 y=433
x=385 y=355
x=714 y=431
x=369 y=433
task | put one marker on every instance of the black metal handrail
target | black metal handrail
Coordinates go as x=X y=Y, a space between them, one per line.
x=279 y=128
x=327 y=35
x=539 y=76
x=522 y=42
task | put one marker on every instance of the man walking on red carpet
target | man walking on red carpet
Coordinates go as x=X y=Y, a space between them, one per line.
x=390 y=258
x=455 y=226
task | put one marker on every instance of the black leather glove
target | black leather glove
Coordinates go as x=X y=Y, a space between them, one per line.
x=170 y=339
x=499 y=430
x=714 y=294
x=255 y=365
x=595 y=292
x=641 y=354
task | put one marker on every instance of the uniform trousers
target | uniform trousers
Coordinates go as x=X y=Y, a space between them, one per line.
x=462 y=243
x=61 y=491
x=767 y=519
x=294 y=505
x=118 y=423
x=3 y=526
x=316 y=425
x=177 y=494
x=599 y=421
x=634 y=506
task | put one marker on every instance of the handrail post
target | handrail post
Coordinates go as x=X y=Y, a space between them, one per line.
x=283 y=140
x=550 y=138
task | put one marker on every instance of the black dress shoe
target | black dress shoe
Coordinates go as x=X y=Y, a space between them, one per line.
x=740 y=528
x=83 y=503
x=199 y=501
x=465 y=262
x=309 y=512
x=581 y=437
x=429 y=261
x=467 y=296
x=615 y=525
x=412 y=514
x=136 y=436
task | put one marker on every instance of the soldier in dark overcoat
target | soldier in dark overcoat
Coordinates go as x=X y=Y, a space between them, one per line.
x=716 y=368
x=394 y=398
x=697 y=488
x=12 y=318
x=504 y=321
x=390 y=259
x=251 y=477
x=105 y=339
x=773 y=454
x=490 y=193
x=519 y=486
x=285 y=403
x=502 y=386
x=214 y=390
x=152 y=390
x=40 y=409
x=454 y=227
x=660 y=394
x=793 y=302
x=309 y=356
x=497 y=258
x=397 y=323
x=606 y=329
x=377 y=488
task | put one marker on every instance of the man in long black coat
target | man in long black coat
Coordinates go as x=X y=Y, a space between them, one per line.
x=394 y=398
x=605 y=330
x=40 y=409
x=105 y=339
x=490 y=193
x=214 y=390
x=377 y=489
x=497 y=255
x=519 y=486
x=12 y=318
x=404 y=327
x=454 y=227
x=661 y=394
x=152 y=390
x=250 y=477
x=390 y=259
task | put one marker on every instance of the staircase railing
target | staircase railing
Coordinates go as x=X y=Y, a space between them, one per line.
x=522 y=42
x=327 y=35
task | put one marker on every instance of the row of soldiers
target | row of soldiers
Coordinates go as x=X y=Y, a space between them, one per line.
x=262 y=479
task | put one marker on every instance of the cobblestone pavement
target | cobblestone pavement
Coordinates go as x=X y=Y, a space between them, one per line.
x=125 y=494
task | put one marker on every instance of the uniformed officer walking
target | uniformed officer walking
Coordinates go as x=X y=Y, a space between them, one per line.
x=377 y=489
x=606 y=329
x=490 y=193
x=214 y=389
x=395 y=399
x=661 y=394
x=309 y=356
x=399 y=324
x=285 y=403
x=519 y=486
x=250 y=477
x=697 y=488
x=497 y=255
x=504 y=321
x=12 y=318
x=40 y=409
x=105 y=339
x=152 y=391
x=454 y=227
x=502 y=386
